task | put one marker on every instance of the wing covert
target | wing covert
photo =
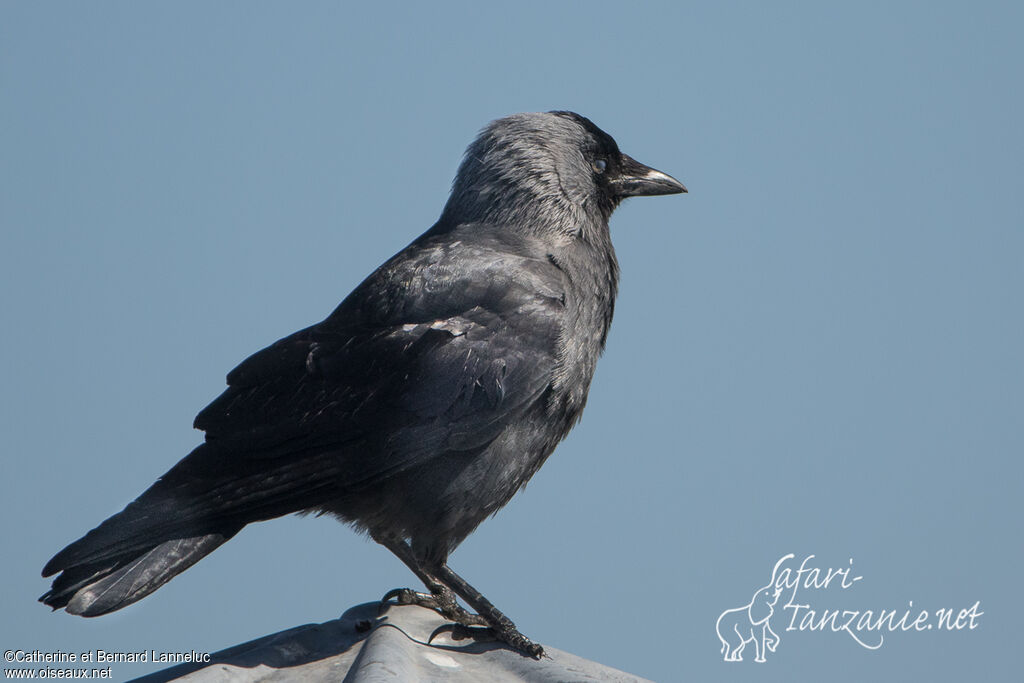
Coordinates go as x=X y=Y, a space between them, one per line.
x=438 y=350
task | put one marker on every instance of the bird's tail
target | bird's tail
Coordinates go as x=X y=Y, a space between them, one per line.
x=188 y=513
x=90 y=589
x=163 y=532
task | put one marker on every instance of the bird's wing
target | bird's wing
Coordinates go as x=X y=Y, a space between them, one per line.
x=438 y=350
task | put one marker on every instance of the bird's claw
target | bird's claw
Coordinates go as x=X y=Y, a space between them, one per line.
x=406 y=596
x=446 y=607
x=486 y=634
x=464 y=624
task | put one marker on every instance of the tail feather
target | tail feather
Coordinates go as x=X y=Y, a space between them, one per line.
x=93 y=589
x=141 y=526
x=190 y=511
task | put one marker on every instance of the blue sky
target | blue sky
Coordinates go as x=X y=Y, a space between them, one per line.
x=816 y=351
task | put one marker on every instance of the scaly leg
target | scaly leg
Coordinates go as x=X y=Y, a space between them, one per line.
x=444 y=584
x=441 y=599
x=502 y=627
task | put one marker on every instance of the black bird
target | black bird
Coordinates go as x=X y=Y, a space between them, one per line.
x=429 y=396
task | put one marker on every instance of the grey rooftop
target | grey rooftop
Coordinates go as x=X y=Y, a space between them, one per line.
x=367 y=645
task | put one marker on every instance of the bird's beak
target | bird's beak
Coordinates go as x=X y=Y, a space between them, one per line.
x=637 y=180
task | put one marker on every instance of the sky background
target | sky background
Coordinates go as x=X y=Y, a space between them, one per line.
x=816 y=351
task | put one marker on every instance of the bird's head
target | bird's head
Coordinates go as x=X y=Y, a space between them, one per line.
x=545 y=171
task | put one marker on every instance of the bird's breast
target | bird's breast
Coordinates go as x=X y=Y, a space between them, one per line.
x=591 y=287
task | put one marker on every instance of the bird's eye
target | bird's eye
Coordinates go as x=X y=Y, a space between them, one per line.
x=600 y=165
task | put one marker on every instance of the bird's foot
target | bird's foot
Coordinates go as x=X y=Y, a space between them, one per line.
x=442 y=603
x=508 y=635
x=465 y=623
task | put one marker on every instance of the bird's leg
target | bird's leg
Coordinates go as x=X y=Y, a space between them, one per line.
x=501 y=626
x=444 y=584
x=441 y=599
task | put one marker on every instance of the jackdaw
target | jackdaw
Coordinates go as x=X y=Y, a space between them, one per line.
x=424 y=402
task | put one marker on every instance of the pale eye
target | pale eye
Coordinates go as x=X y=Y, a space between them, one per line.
x=600 y=165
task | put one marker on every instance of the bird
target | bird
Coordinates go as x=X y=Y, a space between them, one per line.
x=418 y=408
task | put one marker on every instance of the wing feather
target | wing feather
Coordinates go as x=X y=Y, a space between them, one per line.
x=439 y=349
